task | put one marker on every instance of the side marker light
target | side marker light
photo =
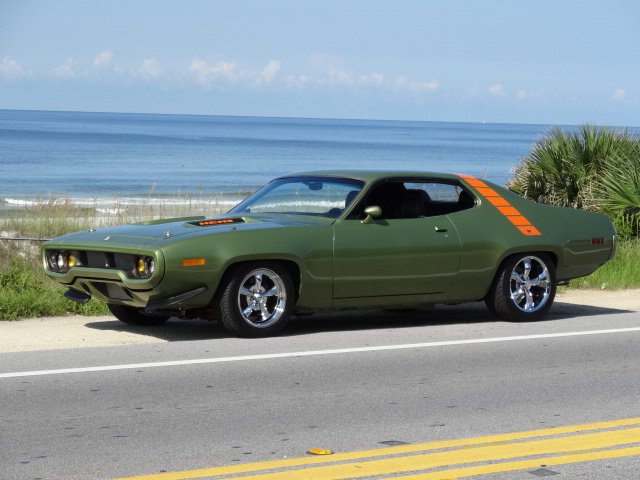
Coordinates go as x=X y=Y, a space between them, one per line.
x=193 y=262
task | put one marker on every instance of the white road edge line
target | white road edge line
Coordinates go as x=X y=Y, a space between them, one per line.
x=312 y=353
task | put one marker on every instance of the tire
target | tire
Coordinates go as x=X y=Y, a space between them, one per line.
x=133 y=316
x=524 y=288
x=257 y=300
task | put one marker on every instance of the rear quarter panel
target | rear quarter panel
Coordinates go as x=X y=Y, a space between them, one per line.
x=488 y=237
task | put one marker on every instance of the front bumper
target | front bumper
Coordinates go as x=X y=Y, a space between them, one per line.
x=168 y=303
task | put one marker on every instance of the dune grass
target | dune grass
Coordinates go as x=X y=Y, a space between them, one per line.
x=52 y=217
x=620 y=273
x=25 y=292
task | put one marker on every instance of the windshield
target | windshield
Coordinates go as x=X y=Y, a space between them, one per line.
x=320 y=196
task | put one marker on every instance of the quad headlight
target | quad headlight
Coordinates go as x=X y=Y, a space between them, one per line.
x=143 y=266
x=133 y=266
x=61 y=262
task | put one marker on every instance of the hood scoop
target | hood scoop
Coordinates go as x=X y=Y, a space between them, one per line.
x=218 y=221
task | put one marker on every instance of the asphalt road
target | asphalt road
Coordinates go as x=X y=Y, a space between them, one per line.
x=406 y=390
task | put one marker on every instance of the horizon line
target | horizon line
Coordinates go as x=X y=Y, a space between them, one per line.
x=343 y=119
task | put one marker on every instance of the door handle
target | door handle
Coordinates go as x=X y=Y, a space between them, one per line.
x=441 y=230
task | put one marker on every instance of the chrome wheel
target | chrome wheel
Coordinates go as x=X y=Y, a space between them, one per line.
x=262 y=298
x=530 y=284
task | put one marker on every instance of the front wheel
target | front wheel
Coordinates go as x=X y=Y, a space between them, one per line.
x=524 y=288
x=257 y=300
x=133 y=316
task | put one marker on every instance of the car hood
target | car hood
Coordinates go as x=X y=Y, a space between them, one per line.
x=148 y=233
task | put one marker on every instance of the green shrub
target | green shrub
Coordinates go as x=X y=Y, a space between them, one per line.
x=618 y=192
x=26 y=292
x=595 y=168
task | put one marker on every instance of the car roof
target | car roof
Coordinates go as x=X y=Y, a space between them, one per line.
x=373 y=175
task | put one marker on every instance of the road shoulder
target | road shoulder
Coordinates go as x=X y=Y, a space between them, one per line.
x=69 y=332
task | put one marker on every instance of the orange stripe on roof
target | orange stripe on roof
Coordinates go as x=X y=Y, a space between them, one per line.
x=487 y=192
x=508 y=211
x=503 y=206
x=498 y=202
x=476 y=183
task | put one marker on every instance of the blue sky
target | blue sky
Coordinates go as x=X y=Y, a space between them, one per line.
x=559 y=62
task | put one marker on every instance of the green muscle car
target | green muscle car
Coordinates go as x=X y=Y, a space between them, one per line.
x=337 y=240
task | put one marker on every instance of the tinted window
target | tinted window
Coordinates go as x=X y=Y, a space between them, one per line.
x=415 y=199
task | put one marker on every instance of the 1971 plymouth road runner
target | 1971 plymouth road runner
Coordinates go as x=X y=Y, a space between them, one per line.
x=337 y=240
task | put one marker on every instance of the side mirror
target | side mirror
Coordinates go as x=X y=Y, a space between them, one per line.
x=373 y=212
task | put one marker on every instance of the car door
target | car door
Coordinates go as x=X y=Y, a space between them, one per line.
x=397 y=254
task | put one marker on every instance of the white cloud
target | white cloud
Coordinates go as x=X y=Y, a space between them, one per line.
x=497 y=90
x=270 y=72
x=340 y=77
x=103 y=59
x=324 y=71
x=149 y=69
x=372 y=79
x=10 y=69
x=68 y=70
x=424 y=87
x=299 y=81
x=619 y=94
x=521 y=95
x=207 y=74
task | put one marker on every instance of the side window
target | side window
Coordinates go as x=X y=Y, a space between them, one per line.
x=415 y=199
x=388 y=195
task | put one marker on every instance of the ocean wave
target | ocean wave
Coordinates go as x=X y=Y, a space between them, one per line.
x=162 y=206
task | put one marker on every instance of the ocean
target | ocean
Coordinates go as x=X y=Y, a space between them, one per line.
x=100 y=157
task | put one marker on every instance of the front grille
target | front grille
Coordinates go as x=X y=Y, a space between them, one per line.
x=117 y=261
x=61 y=261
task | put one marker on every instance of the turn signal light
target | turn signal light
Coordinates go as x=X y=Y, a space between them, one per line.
x=193 y=262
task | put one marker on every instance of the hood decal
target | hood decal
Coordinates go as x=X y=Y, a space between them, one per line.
x=220 y=221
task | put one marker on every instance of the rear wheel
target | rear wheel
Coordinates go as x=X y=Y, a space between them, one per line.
x=258 y=299
x=134 y=316
x=524 y=288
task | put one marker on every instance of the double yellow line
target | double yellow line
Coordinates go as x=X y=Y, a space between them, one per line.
x=446 y=459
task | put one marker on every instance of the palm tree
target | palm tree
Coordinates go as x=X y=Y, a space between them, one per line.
x=618 y=192
x=593 y=168
x=563 y=168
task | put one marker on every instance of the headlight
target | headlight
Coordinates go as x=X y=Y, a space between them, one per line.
x=61 y=262
x=72 y=261
x=143 y=267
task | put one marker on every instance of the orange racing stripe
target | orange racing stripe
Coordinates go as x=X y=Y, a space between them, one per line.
x=502 y=205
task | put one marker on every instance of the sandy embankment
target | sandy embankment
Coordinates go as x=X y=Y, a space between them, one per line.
x=77 y=332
